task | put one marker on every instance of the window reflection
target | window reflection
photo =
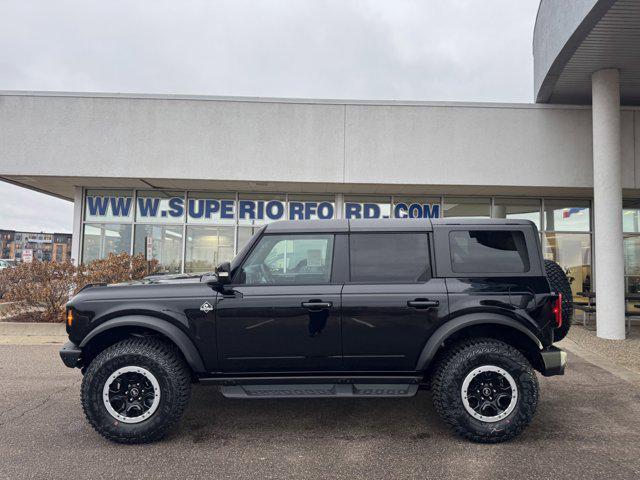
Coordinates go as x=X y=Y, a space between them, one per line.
x=166 y=245
x=631 y=215
x=100 y=239
x=207 y=247
x=572 y=251
x=567 y=215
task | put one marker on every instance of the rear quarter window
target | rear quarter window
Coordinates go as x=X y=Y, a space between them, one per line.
x=488 y=251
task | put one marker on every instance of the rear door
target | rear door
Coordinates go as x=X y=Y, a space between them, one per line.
x=391 y=302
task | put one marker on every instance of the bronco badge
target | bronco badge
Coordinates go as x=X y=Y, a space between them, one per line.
x=206 y=307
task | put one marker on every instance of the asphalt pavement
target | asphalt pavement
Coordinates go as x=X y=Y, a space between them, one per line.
x=587 y=427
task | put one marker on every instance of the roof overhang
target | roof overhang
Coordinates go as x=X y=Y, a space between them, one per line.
x=572 y=40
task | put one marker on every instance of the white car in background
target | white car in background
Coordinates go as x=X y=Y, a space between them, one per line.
x=6 y=264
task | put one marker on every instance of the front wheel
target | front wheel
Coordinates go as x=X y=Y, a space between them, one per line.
x=136 y=390
x=485 y=390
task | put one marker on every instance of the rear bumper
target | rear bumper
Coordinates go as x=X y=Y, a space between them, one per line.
x=554 y=361
x=70 y=354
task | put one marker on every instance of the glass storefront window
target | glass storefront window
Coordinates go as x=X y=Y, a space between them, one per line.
x=166 y=245
x=572 y=251
x=260 y=209
x=567 y=215
x=208 y=246
x=244 y=234
x=211 y=208
x=160 y=206
x=108 y=206
x=631 y=249
x=311 y=207
x=630 y=215
x=100 y=239
x=416 y=207
x=357 y=206
x=467 y=207
x=517 y=208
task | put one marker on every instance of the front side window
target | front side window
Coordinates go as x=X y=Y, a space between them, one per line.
x=389 y=258
x=488 y=251
x=289 y=260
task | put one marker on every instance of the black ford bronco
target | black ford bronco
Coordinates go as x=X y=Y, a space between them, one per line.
x=333 y=308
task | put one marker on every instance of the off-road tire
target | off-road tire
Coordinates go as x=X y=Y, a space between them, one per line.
x=160 y=358
x=560 y=284
x=450 y=373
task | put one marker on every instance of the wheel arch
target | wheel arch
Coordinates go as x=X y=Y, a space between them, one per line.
x=482 y=325
x=117 y=328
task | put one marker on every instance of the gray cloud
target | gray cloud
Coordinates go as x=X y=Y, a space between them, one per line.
x=461 y=50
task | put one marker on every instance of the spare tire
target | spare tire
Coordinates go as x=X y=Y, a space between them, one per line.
x=560 y=284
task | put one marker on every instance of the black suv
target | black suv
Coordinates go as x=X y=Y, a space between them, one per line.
x=333 y=308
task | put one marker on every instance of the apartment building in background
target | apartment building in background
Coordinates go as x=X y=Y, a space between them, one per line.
x=43 y=246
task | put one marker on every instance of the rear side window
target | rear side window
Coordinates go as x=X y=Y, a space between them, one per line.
x=490 y=251
x=389 y=258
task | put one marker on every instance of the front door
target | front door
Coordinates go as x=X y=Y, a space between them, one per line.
x=282 y=312
x=391 y=304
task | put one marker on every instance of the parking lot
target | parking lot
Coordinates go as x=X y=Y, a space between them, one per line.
x=587 y=426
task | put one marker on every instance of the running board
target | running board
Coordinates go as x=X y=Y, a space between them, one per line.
x=325 y=390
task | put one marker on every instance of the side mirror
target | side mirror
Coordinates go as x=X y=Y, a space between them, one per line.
x=223 y=272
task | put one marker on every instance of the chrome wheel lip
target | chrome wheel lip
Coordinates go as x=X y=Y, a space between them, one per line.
x=465 y=387
x=156 y=391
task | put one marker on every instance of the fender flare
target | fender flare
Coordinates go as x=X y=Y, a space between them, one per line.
x=445 y=331
x=173 y=333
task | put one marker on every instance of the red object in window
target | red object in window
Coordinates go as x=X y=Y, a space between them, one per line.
x=557 y=310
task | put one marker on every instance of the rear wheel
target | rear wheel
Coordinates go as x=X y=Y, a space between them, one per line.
x=560 y=284
x=136 y=390
x=485 y=390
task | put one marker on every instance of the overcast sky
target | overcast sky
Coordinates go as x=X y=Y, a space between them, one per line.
x=461 y=50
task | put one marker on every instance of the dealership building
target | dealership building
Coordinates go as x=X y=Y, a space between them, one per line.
x=190 y=178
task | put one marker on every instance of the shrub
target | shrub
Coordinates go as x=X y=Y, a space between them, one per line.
x=116 y=268
x=40 y=290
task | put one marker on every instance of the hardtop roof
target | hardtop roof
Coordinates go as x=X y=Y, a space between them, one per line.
x=382 y=224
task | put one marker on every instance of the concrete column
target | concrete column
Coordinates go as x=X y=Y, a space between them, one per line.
x=77 y=225
x=607 y=194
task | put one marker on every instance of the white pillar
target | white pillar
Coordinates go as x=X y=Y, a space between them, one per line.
x=607 y=207
x=77 y=225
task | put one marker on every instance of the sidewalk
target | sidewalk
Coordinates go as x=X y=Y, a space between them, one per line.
x=620 y=357
x=21 y=333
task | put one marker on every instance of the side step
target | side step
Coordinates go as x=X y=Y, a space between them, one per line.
x=319 y=390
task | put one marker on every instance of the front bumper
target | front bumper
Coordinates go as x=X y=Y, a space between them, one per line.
x=554 y=361
x=70 y=354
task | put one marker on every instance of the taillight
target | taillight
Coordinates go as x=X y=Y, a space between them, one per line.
x=557 y=310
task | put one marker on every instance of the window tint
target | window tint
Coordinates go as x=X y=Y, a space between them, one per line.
x=289 y=260
x=490 y=251
x=389 y=258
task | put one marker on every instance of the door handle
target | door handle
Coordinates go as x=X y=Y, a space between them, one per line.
x=316 y=305
x=422 y=303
